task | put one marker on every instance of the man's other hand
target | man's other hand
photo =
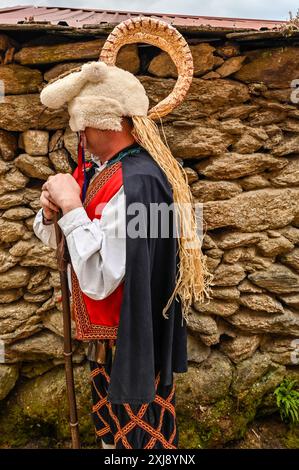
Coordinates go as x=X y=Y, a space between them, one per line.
x=63 y=191
x=49 y=208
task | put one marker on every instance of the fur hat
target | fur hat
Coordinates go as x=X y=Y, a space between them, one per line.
x=98 y=96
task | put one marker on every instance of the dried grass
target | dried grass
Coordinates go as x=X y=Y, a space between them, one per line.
x=193 y=278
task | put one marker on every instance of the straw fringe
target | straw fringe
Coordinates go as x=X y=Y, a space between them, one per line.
x=193 y=280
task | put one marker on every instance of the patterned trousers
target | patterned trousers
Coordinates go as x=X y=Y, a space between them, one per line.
x=146 y=426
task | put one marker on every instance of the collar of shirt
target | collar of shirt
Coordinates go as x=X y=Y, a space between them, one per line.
x=99 y=166
x=132 y=148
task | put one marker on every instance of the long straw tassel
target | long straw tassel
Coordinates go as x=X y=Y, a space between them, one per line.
x=193 y=283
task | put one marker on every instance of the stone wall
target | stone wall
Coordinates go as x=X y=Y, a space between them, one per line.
x=238 y=136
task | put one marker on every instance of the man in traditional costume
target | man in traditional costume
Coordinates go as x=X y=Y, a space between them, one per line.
x=130 y=294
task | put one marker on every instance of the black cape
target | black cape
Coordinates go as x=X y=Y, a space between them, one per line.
x=146 y=341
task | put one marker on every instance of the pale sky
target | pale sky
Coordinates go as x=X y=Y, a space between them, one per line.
x=259 y=9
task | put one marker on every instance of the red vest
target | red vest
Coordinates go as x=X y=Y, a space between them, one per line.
x=98 y=319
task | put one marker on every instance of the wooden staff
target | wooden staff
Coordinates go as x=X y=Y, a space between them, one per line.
x=62 y=260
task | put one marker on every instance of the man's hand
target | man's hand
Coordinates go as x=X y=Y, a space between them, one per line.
x=47 y=205
x=63 y=191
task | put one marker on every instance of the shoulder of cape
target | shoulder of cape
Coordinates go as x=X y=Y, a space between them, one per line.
x=141 y=170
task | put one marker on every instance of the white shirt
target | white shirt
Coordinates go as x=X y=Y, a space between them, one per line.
x=97 y=247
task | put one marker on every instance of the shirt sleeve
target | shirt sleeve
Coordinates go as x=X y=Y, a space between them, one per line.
x=98 y=247
x=45 y=232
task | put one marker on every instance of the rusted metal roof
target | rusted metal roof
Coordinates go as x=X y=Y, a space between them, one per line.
x=79 y=18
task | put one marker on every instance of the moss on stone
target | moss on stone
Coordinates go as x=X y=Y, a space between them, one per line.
x=189 y=433
x=38 y=408
x=17 y=429
x=291 y=440
x=213 y=425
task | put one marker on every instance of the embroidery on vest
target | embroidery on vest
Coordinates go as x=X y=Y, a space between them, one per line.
x=98 y=182
x=85 y=330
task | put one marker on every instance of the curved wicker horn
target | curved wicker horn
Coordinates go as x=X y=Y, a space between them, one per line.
x=166 y=37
